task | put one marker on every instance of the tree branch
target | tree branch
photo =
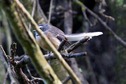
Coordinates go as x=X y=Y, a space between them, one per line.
x=29 y=44
x=121 y=41
x=48 y=43
x=5 y=60
x=50 y=11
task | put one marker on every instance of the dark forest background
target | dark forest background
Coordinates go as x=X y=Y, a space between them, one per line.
x=105 y=62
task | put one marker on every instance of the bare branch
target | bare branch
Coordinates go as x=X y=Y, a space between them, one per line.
x=33 y=11
x=122 y=42
x=77 y=44
x=3 y=55
x=50 y=11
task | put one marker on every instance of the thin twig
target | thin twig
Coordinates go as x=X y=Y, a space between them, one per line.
x=4 y=54
x=86 y=18
x=33 y=11
x=73 y=55
x=25 y=58
x=32 y=82
x=50 y=11
x=38 y=79
x=7 y=66
x=77 y=44
x=108 y=17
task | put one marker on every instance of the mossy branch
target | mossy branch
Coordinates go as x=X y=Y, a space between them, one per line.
x=29 y=44
x=48 y=43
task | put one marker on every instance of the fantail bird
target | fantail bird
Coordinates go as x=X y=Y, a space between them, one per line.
x=53 y=32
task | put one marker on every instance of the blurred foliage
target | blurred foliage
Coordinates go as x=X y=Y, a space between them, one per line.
x=2 y=69
x=119 y=2
x=118 y=8
x=2 y=72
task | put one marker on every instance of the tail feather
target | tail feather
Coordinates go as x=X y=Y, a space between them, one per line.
x=77 y=37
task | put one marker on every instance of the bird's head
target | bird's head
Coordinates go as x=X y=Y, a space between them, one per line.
x=43 y=27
